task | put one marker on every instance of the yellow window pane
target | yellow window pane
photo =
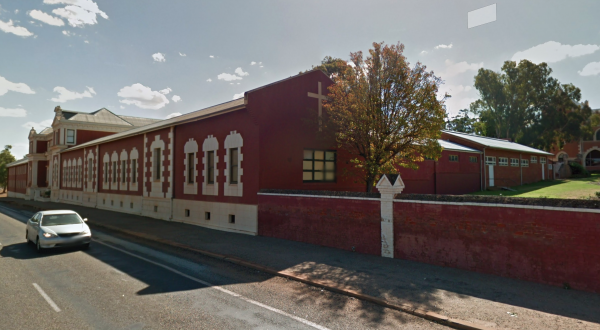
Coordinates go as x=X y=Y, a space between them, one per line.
x=318 y=176
x=330 y=155
x=329 y=176
x=319 y=166
x=307 y=176
x=308 y=154
x=330 y=166
x=307 y=165
x=319 y=154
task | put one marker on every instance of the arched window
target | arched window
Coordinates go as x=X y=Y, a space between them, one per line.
x=597 y=135
x=592 y=158
x=561 y=158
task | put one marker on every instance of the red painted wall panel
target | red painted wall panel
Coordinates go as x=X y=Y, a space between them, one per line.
x=42 y=179
x=552 y=247
x=333 y=222
x=118 y=146
x=73 y=156
x=41 y=147
x=163 y=135
x=17 y=179
x=84 y=136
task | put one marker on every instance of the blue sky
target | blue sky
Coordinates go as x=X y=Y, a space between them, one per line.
x=155 y=58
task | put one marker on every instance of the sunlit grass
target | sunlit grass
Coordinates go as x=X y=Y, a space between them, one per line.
x=576 y=188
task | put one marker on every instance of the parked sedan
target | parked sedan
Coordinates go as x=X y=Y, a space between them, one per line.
x=60 y=228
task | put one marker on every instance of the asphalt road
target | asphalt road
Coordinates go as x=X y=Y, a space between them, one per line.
x=122 y=284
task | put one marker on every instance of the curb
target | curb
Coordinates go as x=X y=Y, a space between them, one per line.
x=406 y=308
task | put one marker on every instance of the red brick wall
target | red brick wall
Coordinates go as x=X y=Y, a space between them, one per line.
x=118 y=146
x=41 y=147
x=73 y=156
x=166 y=153
x=546 y=246
x=17 y=179
x=84 y=136
x=333 y=222
x=42 y=180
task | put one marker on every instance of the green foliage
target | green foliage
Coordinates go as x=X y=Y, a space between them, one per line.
x=331 y=66
x=5 y=158
x=598 y=194
x=463 y=123
x=578 y=170
x=525 y=104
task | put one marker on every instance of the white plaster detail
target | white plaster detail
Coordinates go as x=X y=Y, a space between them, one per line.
x=233 y=140
x=114 y=177
x=105 y=170
x=163 y=208
x=388 y=192
x=123 y=157
x=320 y=97
x=246 y=216
x=120 y=203
x=133 y=186
x=157 y=185
x=190 y=188
x=210 y=144
x=90 y=179
x=79 y=173
x=169 y=193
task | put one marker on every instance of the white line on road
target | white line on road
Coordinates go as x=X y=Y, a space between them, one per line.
x=48 y=300
x=254 y=302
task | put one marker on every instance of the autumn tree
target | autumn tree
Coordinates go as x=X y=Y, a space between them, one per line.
x=5 y=158
x=330 y=66
x=384 y=112
x=526 y=104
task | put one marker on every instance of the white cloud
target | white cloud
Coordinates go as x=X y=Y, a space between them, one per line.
x=454 y=89
x=174 y=114
x=65 y=95
x=165 y=91
x=67 y=33
x=181 y=54
x=211 y=56
x=453 y=105
x=241 y=72
x=122 y=107
x=552 y=51
x=87 y=42
x=209 y=80
x=252 y=63
x=261 y=66
x=259 y=63
x=442 y=46
x=176 y=98
x=237 y=96
x=228 y=77
x=452 y=69
x=16 y=11
x=6 y=86
x=424 y=52
x=142 y=97
x=16 y=112
x=590 y=69
x=46 y=18
x=38 y=126
x=78 y=12
x=159 y=57
x=20 y=31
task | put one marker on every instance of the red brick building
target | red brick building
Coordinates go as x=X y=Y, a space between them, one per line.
x=207 y=166
x=584 y=152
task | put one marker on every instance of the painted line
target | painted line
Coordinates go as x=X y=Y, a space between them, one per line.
x=231 y=293
x=48 y=300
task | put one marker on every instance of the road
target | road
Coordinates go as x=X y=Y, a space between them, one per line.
x=123 y=284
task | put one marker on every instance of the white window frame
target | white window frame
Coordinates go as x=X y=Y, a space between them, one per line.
x=210 y=144
x=533 y=159
x=490 y=160
x=503 y=161
x=67 y=136
x=451 y=160
x=233 y=141
x=514 y=162
x=524 y=162
x=190 y=147
x=542 y=160
x=133 y=172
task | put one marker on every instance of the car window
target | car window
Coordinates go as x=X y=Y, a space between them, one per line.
x=34 y=217
x=60 y=219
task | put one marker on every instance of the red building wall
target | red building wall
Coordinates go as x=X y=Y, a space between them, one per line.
x=118 y=146
x=74 y=155
x=219 y=127
x=166 y=153
x=42 y=179
x=84 y=136
x=340 y=223
x=41 y=147
x=545 y=246
x=17 y=179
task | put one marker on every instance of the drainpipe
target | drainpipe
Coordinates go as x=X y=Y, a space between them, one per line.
x=521 y=166
x=483 y=171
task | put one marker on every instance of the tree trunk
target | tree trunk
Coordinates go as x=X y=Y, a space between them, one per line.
x=370 y=182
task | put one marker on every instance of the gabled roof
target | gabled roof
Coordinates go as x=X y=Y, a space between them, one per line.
x=447 y=145
x=46 y=130
x=188 y=117
x=102 y=116
x=497 y=143
x=286 y=79
x=138 y=121
x=18 y=162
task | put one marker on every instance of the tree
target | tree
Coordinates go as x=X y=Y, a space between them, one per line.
x=330 y=66
x=525 y=104
x=385 y=112
x=5 y=158
x=463 y=123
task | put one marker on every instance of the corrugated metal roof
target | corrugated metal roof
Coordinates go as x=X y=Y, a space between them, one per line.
x=18 y=162
x=447 y=145
x=46 y=130
x=138 y=121
x=196 y=115
x=497 y=143
x=102 y=116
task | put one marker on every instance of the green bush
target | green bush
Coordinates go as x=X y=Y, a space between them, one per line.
x=598 y=194
x=578 y=170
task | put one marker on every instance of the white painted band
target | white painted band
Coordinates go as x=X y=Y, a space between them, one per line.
x=516 y=206
x=45 y=296
x=321 y=196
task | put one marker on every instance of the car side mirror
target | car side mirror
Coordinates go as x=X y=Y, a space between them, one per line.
x=84 y=219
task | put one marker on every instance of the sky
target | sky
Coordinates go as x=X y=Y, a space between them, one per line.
x=159 y=58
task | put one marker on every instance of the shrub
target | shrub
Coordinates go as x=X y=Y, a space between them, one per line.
x=598 y=194
x=578 y=170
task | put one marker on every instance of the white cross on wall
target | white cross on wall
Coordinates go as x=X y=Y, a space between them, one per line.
x=320 y=97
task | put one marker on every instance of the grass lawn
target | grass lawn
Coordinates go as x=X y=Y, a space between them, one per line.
x=571 y=188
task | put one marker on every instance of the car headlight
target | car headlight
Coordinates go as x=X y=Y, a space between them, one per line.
x=48 y=235
x=87 y=231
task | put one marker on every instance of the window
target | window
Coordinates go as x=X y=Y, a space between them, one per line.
x=453 y=158
x=134 y=170
x=490 y=160
x=502 y=161
x=123 y=170
x=524 y=163
x=233 y=165
x=190 y=167
x=542 y=160
x=206 y=215
x=114 y=172
x=472 y=159
x=514 y=162
x=157 y=164
x=89 y=178
x=70 y=136
x=187 y=212
x=232 y=218
x=106 y=172
x=533 y=159
x=561 y=158
x=211 y=167
x=592 y=158
x=318 y=166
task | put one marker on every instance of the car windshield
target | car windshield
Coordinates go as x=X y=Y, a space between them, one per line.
x=60 y=219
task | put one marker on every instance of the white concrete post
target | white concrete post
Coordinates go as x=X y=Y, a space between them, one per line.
x=388 y=192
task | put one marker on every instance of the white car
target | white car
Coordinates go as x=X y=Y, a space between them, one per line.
x=60 y=228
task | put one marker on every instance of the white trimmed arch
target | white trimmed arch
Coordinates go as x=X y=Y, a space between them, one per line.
x=190 y=147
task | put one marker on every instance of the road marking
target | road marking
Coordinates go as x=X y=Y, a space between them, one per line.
x=231 y=293
x=48 y=300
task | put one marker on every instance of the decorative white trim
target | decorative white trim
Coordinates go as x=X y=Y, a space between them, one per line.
x=134 y=155
x=169 y=193
x=321 y=196
x=123 y=157
x=79 y=173
x=210 y=144
x=534 y=207
x=246 y=215
x=190 y=147
x=233 y=140
x=114 y=177
x=90 y=179
x=156 y=188
x=105 y=170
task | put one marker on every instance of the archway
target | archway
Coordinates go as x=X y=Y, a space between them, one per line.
x=593 y=158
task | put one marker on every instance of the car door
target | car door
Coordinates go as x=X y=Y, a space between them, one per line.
x=30 y=228
x=35 y=226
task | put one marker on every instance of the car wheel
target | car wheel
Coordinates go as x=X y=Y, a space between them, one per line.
x=27 y=237
x=37 y=246
x=86 y=246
